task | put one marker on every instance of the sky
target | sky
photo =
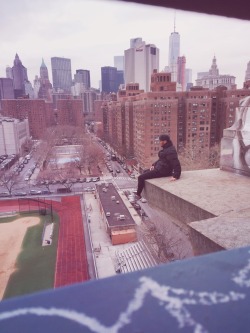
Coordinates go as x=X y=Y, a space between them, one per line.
x=92 y=32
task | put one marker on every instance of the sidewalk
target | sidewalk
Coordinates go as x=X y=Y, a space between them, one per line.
x=103 y=250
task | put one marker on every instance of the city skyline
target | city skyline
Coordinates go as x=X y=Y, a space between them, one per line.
x=91 y=41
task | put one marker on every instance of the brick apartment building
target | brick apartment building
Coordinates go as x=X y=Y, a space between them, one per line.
x=69 y=112
x=41 y=114
x=38 y=112
x=194 y=119
x=153 y=114
x=129 y=132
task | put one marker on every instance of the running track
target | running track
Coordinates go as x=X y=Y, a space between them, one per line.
x=71 y=262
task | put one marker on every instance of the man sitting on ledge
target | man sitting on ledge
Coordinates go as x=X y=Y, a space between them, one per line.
x=167 y=165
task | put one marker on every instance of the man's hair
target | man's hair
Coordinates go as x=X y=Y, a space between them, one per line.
x=164 y=137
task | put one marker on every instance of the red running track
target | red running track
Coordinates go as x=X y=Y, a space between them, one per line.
x=71 y=263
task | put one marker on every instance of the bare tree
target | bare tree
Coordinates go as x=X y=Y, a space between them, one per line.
x=44 y=148
x=166 y=241
x=80 y=160
x=46 y=178
x=67 y=175
x=88 y=153
x=197 y=158
x=26 y=146
x=8 y=180
x=94 y=155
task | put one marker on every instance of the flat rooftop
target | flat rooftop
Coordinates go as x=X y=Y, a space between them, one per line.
x=115 y=209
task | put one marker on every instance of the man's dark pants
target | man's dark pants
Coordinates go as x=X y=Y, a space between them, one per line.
x=148 y=174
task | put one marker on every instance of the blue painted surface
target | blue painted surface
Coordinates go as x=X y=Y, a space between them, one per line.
x=204 y=294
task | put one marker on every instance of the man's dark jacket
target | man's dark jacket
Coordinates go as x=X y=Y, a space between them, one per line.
x=168 y=163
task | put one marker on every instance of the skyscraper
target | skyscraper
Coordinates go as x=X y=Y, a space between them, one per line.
x=189 y=78
x=82 y=76
x=45 y=85
x=44 y=71
x=109 y=79
x=247 y=76
x=9 y=74
x=119 y=64
x=181 y=72
x=174 y=53
x=140 y=61
x=61 y=74
x=6 y=88
x=19 y=73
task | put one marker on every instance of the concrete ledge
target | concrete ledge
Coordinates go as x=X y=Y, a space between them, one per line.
x=228 y=231
x=215 y=201
x=213 y=192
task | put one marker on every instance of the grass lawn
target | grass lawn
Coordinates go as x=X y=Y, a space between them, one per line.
x=7 y=219
x=35 y=263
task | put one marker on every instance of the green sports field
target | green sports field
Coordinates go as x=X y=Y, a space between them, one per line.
x=35 y=265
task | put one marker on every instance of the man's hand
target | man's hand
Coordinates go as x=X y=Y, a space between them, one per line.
x=152 y=167
x=172 y=179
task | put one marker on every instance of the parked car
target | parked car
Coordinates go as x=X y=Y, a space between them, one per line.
x=143 y=200
x=89 y=189
x=136 y=206
x=20 y=194
x=5 y=194
x=63 y=190
x=35 y=192
x=46 y=192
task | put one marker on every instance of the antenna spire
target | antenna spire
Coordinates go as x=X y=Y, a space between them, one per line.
x=174 y=20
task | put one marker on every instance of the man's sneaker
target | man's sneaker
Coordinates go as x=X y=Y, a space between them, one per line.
x=137 y=197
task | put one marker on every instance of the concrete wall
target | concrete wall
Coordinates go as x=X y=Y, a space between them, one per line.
x=212 y=205
x=174 y=205
x=201 y=244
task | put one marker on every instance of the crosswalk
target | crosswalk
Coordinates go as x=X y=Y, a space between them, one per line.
x=125 y=178
x=118 y=178
x=121 y=183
